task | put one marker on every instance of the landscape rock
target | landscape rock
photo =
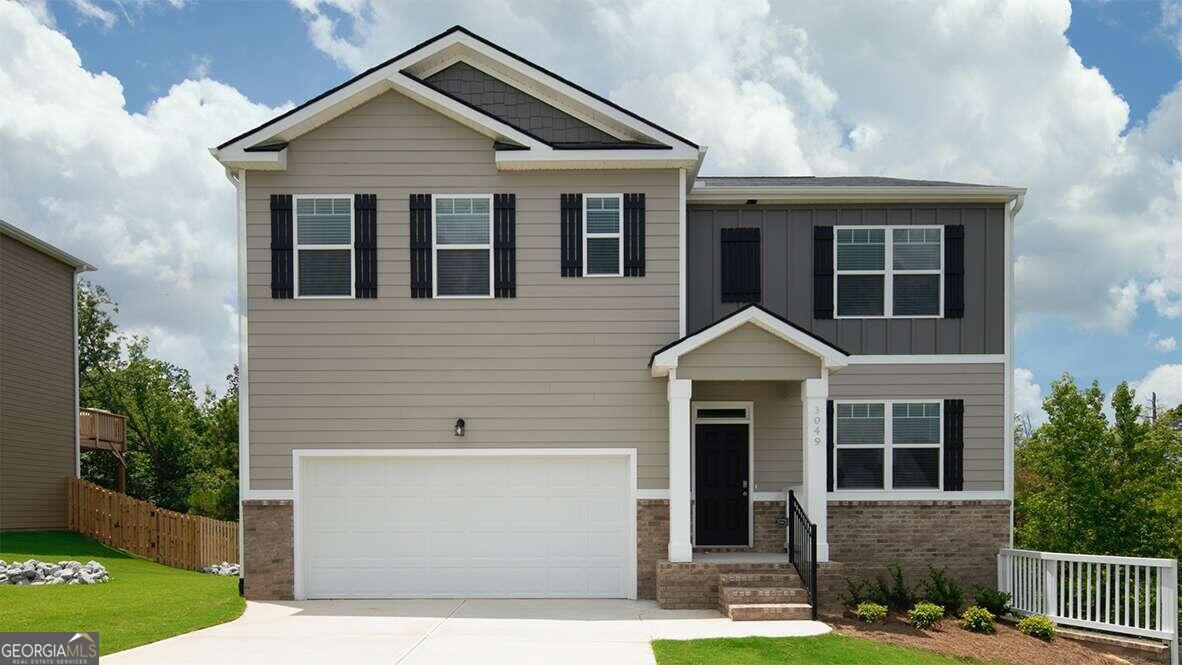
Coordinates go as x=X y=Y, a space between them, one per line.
x=225 y=569
x=42 y=573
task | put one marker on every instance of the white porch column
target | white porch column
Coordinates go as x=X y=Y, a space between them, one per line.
x=680 y=548
x=813 y=395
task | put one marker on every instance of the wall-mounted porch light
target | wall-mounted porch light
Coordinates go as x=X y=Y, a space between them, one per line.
x=460 y=427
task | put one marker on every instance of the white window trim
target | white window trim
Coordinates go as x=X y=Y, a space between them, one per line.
x=296 y=246
x=435 y=198
x=618 y=235
x=888 y=446
x=888 y=272
x=749 y=420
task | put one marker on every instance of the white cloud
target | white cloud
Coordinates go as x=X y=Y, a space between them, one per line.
x=1165 y=381
x=1161 y=344
x=90 y=10
x=1171 y=22
x=972 y=90
x=1028 y=397
x=135 y=194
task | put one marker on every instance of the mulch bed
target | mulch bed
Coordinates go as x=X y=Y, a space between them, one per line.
x=1007 y=645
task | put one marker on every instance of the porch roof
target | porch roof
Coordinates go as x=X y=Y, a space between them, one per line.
x=830 y=357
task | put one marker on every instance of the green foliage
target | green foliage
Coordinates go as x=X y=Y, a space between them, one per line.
x=181 y=454
x=870 y=612
x=1038 y=626
x=894 y=594
x=1085 y=485
x=831 y=649
x=977 y=620
x=925 y=615
x=997 y=602
x=856 y=592
x=943 y=591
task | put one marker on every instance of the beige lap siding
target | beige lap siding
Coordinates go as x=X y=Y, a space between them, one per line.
x=980 y=385
x=563 y=365
x=37 y=416
x=748 y=353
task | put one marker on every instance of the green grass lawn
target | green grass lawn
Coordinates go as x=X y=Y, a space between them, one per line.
x=143 y=602
x=831 y=649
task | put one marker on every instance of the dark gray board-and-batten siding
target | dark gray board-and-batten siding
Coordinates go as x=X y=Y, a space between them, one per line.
x=787 y=289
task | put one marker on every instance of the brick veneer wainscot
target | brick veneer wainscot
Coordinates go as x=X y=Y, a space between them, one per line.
x=652 y=544
x=270 y=565
x=962 y=536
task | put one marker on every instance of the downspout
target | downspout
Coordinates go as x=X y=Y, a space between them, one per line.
x=238 y=179
x=1012 y=210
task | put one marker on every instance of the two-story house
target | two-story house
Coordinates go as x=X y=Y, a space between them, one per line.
x=499 y=338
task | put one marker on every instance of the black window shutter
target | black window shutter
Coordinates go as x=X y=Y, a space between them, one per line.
x=505 y=245
x=420 y=246
x=954 y=445
x=634 y=235
x=572 y=235
x=954 y=271
x=829 y=445
x=282 y=259
x=822 y=272
x=365 y=245
x=740 y=267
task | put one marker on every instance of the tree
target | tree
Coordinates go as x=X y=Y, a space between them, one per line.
x=1085 y=485
x=167 y=430
x=215 y=482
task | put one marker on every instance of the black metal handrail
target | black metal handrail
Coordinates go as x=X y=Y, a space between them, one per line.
x=802 y=548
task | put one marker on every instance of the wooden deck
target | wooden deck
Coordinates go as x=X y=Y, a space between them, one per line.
x=104 y=431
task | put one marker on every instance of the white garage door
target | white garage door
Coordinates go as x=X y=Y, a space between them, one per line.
x=454 y=526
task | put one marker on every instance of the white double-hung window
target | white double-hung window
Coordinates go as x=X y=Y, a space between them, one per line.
x=324 y=246
x=888 y=445
x=462 y=237
x=889 y=271
x=603 y=238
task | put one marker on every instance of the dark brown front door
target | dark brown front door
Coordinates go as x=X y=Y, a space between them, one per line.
x=721 y=466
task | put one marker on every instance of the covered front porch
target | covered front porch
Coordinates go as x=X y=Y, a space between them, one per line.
x=748 y=429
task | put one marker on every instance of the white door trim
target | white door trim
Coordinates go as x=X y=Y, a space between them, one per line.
x=298 y=455
x=749 y=421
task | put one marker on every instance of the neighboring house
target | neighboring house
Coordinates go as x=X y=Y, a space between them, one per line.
x=500 y=339
x=38 y=380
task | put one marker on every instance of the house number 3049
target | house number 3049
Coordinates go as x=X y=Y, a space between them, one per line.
x=818 y=421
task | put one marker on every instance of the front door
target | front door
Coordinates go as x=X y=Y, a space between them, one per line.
x=721 y=464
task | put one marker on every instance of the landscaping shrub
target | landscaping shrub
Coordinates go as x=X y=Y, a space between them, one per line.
x=871 y=612
x=942 y=591
x=997 y=602
x=895 y=595
x=1038 y=626
x=977 y=620
x=856 y=592
x=925 y=615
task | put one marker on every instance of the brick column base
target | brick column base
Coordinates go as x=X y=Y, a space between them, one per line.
x=269 y=567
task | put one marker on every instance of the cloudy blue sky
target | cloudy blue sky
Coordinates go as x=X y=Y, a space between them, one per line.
x=107 y=109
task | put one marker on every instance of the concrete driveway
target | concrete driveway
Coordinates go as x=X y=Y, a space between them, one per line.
x=430 y=632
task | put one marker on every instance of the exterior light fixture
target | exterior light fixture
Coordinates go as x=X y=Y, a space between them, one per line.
x=460 y=427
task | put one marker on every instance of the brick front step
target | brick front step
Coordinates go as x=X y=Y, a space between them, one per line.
x=770 y=612
x=777 y=578
x=730 y=595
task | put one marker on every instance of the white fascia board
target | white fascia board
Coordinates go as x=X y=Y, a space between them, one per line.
x=615 y=115
x=236 y=158
x=831 y=358
x=544 y=157
x=854 y=194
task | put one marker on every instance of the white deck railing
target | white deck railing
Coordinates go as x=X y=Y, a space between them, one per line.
x=1130 y=595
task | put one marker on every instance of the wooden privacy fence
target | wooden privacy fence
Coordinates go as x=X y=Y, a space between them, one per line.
x=1130 y=595
x=167 y=537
